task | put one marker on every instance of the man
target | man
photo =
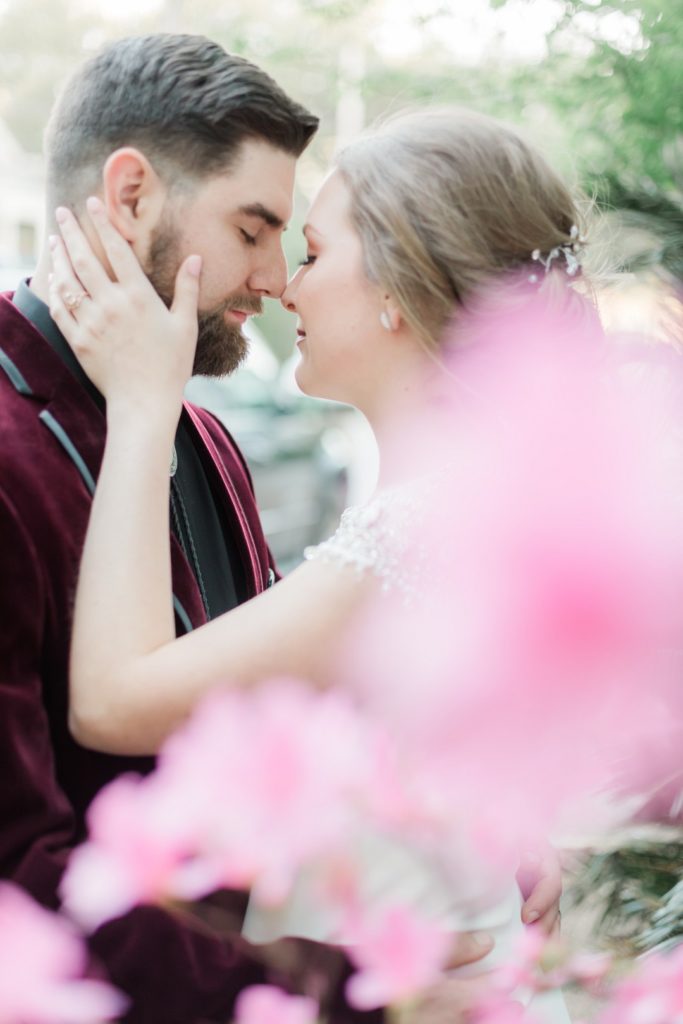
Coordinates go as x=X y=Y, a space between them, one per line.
x=192 y=150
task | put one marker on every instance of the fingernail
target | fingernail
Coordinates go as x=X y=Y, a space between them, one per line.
x=94 y=205
x=52 y=241
x=194 y=265
x=531 y=916
x=61 y=214
x=482 y=939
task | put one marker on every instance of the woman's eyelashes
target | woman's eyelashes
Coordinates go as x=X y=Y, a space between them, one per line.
x=307 y=261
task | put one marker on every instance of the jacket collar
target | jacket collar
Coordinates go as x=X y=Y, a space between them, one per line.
x=61 y=399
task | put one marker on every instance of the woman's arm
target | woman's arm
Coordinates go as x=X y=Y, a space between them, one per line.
x=131 y=681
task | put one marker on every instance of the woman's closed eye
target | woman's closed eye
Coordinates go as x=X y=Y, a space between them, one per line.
x=307 y=261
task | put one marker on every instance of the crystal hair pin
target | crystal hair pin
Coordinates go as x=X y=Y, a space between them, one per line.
x=571 y=251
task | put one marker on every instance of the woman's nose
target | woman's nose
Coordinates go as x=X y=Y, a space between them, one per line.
x=287 y=297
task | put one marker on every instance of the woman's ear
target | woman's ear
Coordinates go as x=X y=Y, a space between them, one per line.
x=393 y=313
x=133 y=194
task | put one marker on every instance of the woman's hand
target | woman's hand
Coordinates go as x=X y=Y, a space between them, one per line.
x=136 y=351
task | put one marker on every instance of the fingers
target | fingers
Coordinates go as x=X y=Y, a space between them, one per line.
x=543 y=903
x=84 y=263
x=468 y=948
x=186 y=295
x=123 y=260
x=67 y=294
x=550 y=922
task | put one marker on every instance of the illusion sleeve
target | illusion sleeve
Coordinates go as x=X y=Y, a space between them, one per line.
x=379 y=538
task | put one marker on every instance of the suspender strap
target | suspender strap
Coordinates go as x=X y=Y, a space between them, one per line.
x=230 y=488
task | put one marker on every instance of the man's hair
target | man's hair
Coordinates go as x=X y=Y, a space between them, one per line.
x=181 y=99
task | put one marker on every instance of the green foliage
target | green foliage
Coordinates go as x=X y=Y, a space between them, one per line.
x=335 y=10
x=657 y=213
x=638 y=889
x=633 y=97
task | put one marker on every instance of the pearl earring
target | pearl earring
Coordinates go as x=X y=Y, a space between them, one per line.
x=385 y=321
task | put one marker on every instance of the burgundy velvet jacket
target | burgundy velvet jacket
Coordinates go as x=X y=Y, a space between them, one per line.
x=51 y=442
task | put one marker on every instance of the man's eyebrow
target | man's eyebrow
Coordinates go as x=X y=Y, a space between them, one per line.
x=266 y=215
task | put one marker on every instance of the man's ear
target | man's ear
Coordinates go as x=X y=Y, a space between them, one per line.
x=133 y=194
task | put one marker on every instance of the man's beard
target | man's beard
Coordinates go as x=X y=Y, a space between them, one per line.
x=221 y=346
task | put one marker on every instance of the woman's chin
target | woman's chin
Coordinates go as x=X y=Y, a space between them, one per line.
x=306 y=381
x=312 y=385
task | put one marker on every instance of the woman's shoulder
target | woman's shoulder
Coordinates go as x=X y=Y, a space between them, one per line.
x=378 y=537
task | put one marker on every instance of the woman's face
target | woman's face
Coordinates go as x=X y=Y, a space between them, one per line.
x=342 y=343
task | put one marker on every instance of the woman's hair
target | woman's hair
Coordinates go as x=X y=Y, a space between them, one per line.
x=446 y=201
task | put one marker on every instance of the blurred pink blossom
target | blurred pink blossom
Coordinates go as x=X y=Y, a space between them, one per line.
x=501 y=1010
x=143 y=847
x=249 y=791
x=398 y=954
x=42 y=962
x=653 y=995
x=540 y=963
x=263 y=1004
x=542 y=647
x=286 y=764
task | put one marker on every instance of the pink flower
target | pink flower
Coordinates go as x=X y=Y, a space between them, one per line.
x=540 y=963
x=524 y=965
x=653 y=995
x=253 y=788
x=501 y=1010
x=263 y=1004
x=273 y=778
x=143 y=848
x=550 y=558
x=42 y=961
x=399 y=954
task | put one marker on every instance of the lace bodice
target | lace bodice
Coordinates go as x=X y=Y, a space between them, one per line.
x=379 y=537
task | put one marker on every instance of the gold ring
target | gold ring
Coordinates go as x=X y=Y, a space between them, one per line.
x=73 y=301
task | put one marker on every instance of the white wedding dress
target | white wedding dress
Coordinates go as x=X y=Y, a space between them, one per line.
x=372 y=539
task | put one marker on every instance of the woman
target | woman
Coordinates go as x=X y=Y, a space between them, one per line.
x=407 y=231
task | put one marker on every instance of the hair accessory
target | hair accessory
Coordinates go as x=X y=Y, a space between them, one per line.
x=385 y=321
x=571 y=251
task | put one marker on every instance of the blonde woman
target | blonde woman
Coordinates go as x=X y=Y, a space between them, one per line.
x=412 y=223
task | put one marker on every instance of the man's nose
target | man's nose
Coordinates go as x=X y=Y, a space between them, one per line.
x=271 y=278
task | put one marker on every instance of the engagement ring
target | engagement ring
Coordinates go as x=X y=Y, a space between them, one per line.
x=72 y=301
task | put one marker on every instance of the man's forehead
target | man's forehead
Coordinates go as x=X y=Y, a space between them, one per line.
x=261 y=181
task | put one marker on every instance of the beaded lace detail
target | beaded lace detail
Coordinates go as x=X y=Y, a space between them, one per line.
x=378 y=537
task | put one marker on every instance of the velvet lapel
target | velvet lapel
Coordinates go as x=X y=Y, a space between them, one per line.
x=60 y=400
